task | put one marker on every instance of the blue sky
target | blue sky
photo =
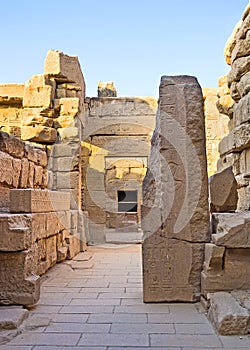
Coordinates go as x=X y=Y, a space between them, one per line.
x=132 y=42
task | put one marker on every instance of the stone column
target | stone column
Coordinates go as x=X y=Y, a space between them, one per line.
x=175 y=216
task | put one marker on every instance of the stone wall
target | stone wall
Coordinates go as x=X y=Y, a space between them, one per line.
x=40 y=183
x=34 y=222
x=216 y=125
x=226 y=270
x=115 y=151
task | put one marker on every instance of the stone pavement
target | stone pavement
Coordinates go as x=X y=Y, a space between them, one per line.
x=95 y=302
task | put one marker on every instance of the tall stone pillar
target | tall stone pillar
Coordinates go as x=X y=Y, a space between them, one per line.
x=175 y=216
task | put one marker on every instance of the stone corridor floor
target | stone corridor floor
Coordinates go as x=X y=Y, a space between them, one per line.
x=95 y=302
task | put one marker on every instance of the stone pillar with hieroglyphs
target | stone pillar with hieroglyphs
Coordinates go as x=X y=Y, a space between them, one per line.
x=175 y=216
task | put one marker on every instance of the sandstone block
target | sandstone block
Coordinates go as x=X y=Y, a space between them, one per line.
x=64 y=150
x=241 y=114
x=223 y=191
x=12 y=90
x=64 y=68
x=68 y=134
x=240 y=67
x=213 y=258
x=39 y=133
x=106 y=89
x=24 y=173
x=69 y=106
x=67 y=180
x=177 y=171
x=38 y=92
x=73 y=242
x=31 y=120
x=62 y=253
x=234 y=275
x=4 y=199
x=242 y=48
x=237 y=140
x=6 y=169
x=38 y=176
x=15 y=232
x=23 y=286
x=243 y=86
x=17 y=165
x=227 y=315
x=31 y=175
x=36 y=200
x=231 y=230
x=11 y=145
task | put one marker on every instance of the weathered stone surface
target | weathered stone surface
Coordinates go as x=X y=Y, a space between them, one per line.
x=11 y=145
x=106 y=89
x=36 y=200
x=242 y=48
x=177 y=140
x=39 y=133
x=240 y=67
x=231 y=42
x=213 y=258
x=64 y=68
x=39 y=92
x=68 y=134
x=231 y=230
x=234 y=275
x=15 y=232
x=12 y=318
x=73 y=242
x=223 y=191
x=241 y=111
x=6 y=169
x=237 y=140
x=23 y=286
x=227 y=315
x=24 y=173
x=12 y=90
x=4 y=199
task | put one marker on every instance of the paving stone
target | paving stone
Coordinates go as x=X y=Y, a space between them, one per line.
x=88 y=309
x=193 y=328
x=67 y=348
x=182 y=340
x=45 y=309
x=11 y=318
x=46 y=339
x=102 y=290
x=117 y=318
x=177 y=318
x=108 y=295
x=97 y=302
x=141 y=348
x=237 y=342
x=10 y=347
x=69 y=318
x=146 y=308
x=145 y=328
x=114 y=339
x=131 y=301
x=77 y=328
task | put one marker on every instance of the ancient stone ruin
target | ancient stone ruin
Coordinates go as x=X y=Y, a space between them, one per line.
x=72 y=174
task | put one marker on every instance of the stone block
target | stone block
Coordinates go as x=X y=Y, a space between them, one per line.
x=62 y=253
x=4 y=199
x=74 y=243
x=39 y=133
x=223 y=191
x=67 y=180
x=19 y=283
x=228 y=317
x=64 y=68
x=69 y=107
x=231 y=230
x=36 y=200
x=166 y=277
x=240 y=67
x=17 y=165
x=213 y=258
x=11 y=145
x=30 y=120
x=234 y=275
x=64 y=150
x=177 y=185
x=68 y=134
x=106 y=89
x=15 y=232
x=12 y=318
x=39 y=92
x=6 y=169
x=38 y=176
x=31 y=175
x=237 y=140
x=24 y=173
x=241 y=111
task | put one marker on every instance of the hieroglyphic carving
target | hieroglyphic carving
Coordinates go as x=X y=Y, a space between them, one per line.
x=173 y=249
